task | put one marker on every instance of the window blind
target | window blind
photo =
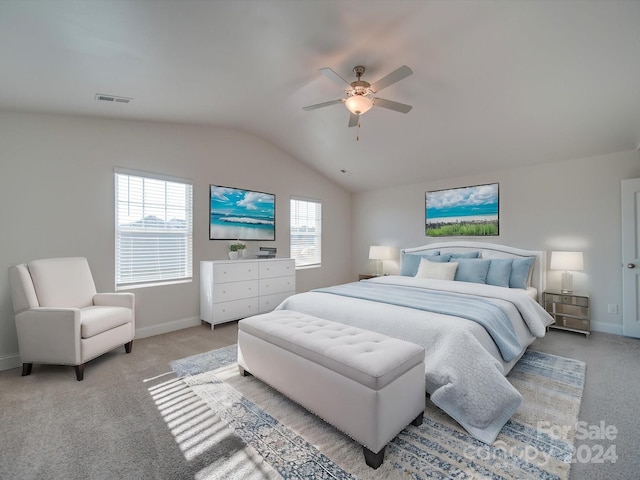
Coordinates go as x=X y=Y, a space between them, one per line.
x=306 y=232
x=154 y=229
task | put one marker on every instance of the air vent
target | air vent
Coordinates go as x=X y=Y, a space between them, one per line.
x=112 y=98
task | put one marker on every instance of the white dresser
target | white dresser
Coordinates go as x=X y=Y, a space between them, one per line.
x=233 y=289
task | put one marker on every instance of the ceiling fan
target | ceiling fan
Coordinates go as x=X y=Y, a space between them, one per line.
x=360 y=94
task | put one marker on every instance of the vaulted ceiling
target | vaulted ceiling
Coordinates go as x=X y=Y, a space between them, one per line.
x=496 y=84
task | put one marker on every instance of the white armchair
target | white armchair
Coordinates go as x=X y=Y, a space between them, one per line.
x=61 y=319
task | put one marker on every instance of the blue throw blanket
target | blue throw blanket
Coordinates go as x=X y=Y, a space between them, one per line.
x=491 y=316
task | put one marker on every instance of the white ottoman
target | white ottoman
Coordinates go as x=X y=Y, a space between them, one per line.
x=368 y=385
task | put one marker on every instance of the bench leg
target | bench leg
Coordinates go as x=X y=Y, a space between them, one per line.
x=243 y=372
x=374 y=460
x=418 y=420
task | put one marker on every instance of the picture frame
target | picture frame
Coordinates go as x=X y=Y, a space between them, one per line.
x=472 y=211
x=240 y=214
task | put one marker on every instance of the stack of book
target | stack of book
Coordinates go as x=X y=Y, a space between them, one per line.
x=267 y=252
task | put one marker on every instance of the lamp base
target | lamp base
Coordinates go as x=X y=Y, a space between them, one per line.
x=567 y=282
x=379 y=267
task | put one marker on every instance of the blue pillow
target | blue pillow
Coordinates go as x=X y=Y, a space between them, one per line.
x=464 y=255
x=499 y=272
x=440 y=258
x=520 y=272
x=411 y=262
x=472 y=270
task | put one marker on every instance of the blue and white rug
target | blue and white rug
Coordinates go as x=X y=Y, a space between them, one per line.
x=282 y=437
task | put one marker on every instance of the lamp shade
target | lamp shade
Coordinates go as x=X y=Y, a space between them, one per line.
x=358 y=104
x=380 y=253
x=568 y=261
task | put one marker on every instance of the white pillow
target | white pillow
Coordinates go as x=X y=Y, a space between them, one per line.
x=437 y=270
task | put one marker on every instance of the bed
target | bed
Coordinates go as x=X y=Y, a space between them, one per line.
x=473 y=333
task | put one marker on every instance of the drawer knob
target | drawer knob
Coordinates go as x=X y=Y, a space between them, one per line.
x=631 y=265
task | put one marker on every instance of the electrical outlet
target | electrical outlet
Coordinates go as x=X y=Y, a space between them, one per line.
x=612 y=308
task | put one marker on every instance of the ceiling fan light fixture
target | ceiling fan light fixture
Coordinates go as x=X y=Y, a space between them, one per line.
x=358 y=104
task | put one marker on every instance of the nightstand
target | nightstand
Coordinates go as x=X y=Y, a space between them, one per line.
x=569 y=310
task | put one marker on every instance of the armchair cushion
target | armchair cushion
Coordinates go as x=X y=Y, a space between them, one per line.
x=96 y=320
x=63 y=282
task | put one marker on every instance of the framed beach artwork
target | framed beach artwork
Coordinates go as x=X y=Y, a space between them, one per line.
x=466 y=211
x=237 y=214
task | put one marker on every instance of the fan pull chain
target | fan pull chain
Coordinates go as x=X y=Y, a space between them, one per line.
x=358 y=132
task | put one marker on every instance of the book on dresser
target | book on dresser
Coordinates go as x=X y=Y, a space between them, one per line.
x=235 y=289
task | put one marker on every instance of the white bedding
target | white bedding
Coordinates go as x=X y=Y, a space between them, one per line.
x=465 y=373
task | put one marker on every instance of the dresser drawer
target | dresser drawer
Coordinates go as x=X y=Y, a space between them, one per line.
x=277 y=268
x=269 y=302
x=568 y=300
x=234 y=271
x=572 y=323
x=223 y=312
x=225 y=292
x=277 y=285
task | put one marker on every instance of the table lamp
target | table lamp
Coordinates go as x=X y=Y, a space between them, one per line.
x=380 y=254
x=568 y=262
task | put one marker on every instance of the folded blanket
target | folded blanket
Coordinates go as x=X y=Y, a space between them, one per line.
x=491 y=316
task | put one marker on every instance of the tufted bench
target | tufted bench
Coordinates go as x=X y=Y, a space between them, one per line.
x=368 y=385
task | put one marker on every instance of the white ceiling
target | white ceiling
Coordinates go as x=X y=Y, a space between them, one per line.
x=496 y=84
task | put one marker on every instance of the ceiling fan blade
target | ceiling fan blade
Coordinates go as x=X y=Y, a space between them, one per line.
x=392 y=78
x=353 y=120
x=398 y=107
x=325 y=104
x=334 y=77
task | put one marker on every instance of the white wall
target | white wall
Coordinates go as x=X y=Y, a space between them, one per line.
x=56 y=197
x=571 y=205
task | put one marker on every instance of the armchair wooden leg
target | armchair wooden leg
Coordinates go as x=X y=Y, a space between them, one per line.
x=26 y=369
x=127 y=346
x=79 y=372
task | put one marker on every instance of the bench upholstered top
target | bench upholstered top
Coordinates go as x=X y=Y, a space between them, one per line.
x=369 y=358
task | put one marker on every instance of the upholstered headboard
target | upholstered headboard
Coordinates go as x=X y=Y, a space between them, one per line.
x=538 y=275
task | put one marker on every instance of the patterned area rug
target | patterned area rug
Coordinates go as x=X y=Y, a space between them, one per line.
x=282 y=439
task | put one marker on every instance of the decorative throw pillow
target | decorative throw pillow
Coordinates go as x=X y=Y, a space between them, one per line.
x=464 y=255
x=520 y=269
x=411 y=262
x=440 y=258
x=472 y=270
x=499 y=272
x=437 y=270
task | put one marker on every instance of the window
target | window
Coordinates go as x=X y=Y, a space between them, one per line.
x=154 y=229
x=306 y=232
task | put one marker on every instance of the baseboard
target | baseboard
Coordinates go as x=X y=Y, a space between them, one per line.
x=167 y=327
x=8 y=362
x=611 y=328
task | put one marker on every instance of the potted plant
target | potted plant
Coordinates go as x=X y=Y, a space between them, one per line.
x=235 y=249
